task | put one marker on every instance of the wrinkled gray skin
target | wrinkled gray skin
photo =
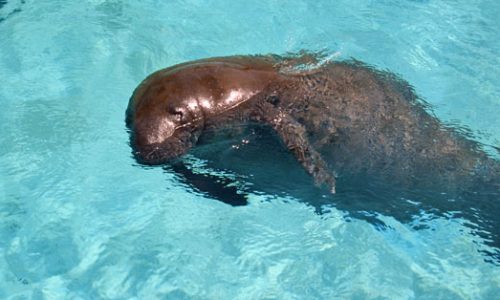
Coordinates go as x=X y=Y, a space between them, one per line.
x=339 y=118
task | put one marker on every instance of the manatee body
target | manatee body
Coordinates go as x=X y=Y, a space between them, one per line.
x=338 y=119
x=341 y=120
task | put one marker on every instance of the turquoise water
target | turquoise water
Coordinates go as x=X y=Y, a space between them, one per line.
x=79 y=219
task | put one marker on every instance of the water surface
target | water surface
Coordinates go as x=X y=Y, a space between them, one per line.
x=79 y=219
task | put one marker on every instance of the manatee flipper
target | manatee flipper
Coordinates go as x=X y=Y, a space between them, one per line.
x=293 y=134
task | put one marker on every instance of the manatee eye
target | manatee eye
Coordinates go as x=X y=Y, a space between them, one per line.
x=176 y=113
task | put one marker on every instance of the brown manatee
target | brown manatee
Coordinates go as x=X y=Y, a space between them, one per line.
x=339 y=119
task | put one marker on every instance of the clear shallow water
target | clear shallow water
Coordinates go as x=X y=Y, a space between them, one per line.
x=80 y=220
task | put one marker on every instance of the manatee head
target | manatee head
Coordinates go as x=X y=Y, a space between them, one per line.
x=164 y=118
x=169 y=109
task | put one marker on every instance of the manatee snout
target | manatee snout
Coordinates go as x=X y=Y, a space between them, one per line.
x=160 y=141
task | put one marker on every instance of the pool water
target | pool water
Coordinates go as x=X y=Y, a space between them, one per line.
x=79 y=219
